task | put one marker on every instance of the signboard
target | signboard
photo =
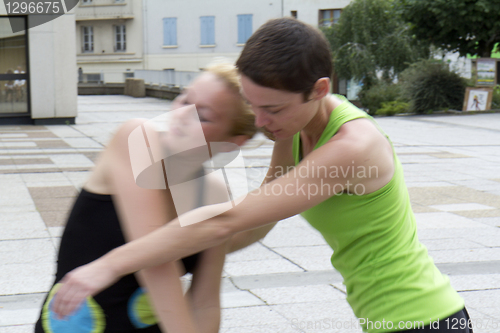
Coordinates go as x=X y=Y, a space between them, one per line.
x=477 y=99
x=486 y=72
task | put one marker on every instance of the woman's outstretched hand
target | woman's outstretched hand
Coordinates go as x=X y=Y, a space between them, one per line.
x=77 y=285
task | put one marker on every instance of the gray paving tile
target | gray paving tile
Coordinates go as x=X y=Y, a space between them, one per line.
x=45 y=177
x=454 y=233
x=262 y=316
x=273 y=328
x=444 y=221
x=52 y=192
x=77 y=178
x=71 y=160
x=294 y=236
x=290 y=279
x=340 y=286
x=450 y=244
x=462 y=206
x=7 y=208
x=254 y=252
x=260 y=267
x=310 y=258
x=55 y=218
x=334 y=316
x=428 y=184
x=11 y=179
x=18 y=144
x=296 y=221
x=475 y=282
x=481 y=322
x=17 y=329
x=56 y=241
x=25 y=251
x=299 y=294
x=465 y=255
x=26 y=278
x=82 y=143
x=492 y=221
x=20 y=309
x=65 y=131
x=240 y=298
x=21 y=225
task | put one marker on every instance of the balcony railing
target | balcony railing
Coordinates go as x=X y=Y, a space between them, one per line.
x=160 y=78
x=104 y=10
x=166 y=77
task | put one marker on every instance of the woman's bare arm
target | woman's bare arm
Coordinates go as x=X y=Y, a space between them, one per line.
x=357 y=144
x=161 y=282
x=204 y=292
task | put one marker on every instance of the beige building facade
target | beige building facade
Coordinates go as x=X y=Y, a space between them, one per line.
x=109 y=39
x=180 y=35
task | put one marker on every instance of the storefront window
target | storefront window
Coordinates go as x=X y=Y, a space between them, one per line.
x=13 y=68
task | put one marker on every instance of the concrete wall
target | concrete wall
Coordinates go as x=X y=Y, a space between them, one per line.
x=53 y=71
x=188 y=55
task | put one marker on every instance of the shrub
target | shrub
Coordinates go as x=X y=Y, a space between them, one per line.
x=495 y=102
x=392 y=108
x=379 y=93
x=429 y=85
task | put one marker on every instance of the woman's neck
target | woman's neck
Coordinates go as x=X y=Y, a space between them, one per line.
x=312 y=132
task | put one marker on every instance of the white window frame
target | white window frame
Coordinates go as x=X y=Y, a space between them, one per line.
x=88 y=46
x=122 y=36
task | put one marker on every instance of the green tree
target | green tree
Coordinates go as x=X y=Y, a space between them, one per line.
x=464 y=26
x=370 y=38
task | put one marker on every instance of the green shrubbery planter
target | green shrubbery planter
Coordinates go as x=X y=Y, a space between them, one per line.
x=430 y=86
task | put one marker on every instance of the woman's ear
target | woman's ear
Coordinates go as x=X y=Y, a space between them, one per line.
x=321 y=88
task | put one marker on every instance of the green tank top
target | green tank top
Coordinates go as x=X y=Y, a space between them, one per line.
x=388 y=274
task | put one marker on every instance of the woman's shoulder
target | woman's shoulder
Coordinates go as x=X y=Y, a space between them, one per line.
x=112 y=157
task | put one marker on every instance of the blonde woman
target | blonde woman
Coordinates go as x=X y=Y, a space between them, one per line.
x=112 y=209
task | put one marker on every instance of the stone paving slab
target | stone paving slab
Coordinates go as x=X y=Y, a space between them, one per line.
x=284 y=283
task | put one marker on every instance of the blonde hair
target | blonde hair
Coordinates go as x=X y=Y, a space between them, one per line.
x=244 y=118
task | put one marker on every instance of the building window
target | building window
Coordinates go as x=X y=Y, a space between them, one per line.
x=293 y=13
x=120 y=39
x=170 y=31
x=86 y=2
x=328 y=17
x=244 y=28
x=88 y=39
x=207 y=24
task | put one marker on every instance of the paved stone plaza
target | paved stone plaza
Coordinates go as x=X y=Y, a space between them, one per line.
x=284 y=283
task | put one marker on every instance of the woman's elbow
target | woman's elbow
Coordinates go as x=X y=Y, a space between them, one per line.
x=223 y=232
x=225 y=226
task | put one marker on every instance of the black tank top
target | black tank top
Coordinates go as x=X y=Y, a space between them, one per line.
x=93 y=229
